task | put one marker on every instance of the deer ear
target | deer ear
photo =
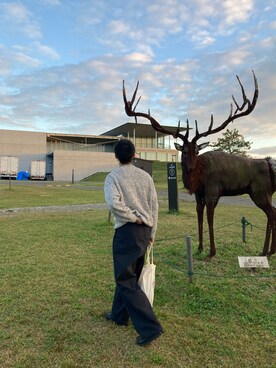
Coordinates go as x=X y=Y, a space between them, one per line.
x=203 y=145
x=178 y=146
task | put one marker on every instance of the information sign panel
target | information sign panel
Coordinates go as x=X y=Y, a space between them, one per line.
x=253 y=262
x=172 y=186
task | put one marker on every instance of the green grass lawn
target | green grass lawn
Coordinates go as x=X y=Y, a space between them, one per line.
x=57 y=280
x=30 y=195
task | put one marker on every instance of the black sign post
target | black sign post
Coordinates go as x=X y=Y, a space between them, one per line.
x=172 y=186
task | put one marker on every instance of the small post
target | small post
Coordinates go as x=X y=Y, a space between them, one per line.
x=73 y=176
x=189 y=258
x=244 y=223
x=10 y=181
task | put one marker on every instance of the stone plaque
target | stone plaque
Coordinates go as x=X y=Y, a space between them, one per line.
x=253 y=262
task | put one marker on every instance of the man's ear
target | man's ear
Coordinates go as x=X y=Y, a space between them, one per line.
x=178 y=147
x=203 y=145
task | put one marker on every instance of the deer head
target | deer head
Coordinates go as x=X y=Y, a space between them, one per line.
x=190 y=149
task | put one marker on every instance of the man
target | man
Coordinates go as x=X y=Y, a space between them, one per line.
x=131 y=197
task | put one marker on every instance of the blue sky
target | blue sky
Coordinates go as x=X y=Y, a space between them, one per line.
x=62 y=63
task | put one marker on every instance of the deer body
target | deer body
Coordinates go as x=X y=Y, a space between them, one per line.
x=224 y=174
x=214 y=174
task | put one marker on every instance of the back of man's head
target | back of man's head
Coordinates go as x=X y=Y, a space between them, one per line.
x=124 y=151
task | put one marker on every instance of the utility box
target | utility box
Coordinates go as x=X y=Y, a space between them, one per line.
x=8 y=166
x=38 y=170
x=145 y=165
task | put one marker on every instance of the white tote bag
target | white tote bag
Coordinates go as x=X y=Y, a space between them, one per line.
x=147 y=278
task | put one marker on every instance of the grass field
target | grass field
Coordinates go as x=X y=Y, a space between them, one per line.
x=57 y=280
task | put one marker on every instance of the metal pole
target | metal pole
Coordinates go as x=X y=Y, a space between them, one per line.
x=243 y=221
x=189 y=258
x=10 y=182
x=73 y=176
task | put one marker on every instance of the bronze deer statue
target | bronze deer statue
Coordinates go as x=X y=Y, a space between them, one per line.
x=214 y=174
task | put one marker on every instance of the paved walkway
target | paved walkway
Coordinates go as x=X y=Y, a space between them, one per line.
x=244 y=200
x=71 y=208
x=162 y=195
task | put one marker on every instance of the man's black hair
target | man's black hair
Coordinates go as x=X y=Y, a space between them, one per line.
x=124 y=151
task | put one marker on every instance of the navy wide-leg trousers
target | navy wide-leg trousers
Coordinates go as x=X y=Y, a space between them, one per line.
x=129 y=246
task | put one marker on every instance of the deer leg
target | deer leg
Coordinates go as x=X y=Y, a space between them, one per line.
x=273 y=230
x=210 y=219
x=267 y=239
x=200 y=211
x=270 y=212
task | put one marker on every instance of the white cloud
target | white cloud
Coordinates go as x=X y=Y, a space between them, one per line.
x=15 y=60
x=168 y=14
x=26 y=60
x=16 y=11
x=237 y=10
x=202 y=38
x=46 y=51
x=215 y=18
x=88 y=13
x=138 y=58
x=17 y=18
x=236 y=57
x=118 y=27
x=268 y=42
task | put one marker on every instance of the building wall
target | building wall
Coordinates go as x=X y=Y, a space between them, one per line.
x=27 y=146
x=83 y=163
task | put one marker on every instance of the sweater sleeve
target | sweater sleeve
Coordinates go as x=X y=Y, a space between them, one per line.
x=115 y=203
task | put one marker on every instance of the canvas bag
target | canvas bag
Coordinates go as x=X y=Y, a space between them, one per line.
x=147 y=278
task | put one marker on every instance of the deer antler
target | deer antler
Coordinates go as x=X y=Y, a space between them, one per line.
x=130 y=111
x=239 y=111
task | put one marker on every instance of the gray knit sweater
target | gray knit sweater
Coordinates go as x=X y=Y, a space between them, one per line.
x=130 y=193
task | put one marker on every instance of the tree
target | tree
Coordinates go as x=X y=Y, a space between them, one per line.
x=232 y=142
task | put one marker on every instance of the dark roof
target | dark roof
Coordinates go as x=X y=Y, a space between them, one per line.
x=141 y=130
x=81 y=139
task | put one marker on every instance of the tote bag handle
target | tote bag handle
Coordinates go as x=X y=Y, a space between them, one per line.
x=149 y=254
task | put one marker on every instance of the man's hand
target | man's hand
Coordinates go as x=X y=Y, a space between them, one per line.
x=138 y=221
